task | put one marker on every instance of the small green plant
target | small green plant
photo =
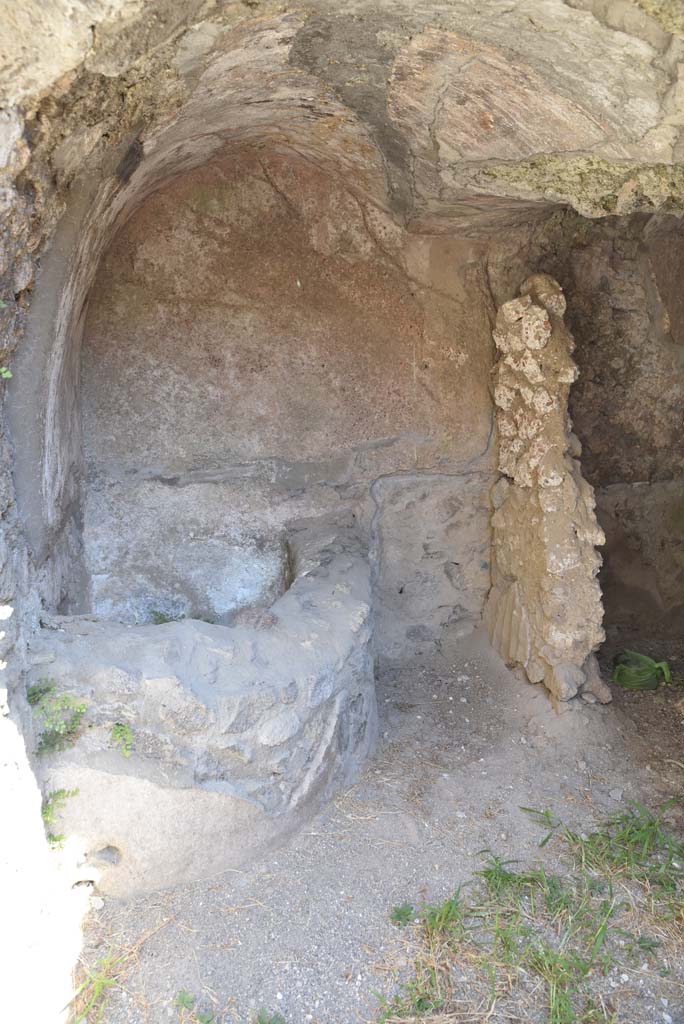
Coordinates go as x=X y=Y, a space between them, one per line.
x=89 y=1002
x=35 y=694
x=546 y=819
x=635 y=671
x=185 y=1004
x=60 y=715
x=402 y=915
x=184 y=1001
x=52 y=804
x=264 y=1017
x=122 y=737
x=561 y=971
x=446 y=918
x=499 y=878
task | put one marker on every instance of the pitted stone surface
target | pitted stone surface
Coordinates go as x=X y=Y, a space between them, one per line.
x=544 y=609
x=244 y=729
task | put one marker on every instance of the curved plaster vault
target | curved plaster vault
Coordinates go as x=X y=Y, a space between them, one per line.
x=255 y=265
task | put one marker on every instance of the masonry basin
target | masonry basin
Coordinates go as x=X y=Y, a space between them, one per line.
x=204 y=745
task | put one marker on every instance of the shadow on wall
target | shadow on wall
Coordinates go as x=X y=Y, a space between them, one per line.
x=626 y=308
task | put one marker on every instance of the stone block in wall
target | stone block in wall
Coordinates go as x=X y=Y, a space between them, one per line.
x=432 y=549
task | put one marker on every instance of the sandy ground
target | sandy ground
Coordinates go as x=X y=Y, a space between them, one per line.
x=306 y=932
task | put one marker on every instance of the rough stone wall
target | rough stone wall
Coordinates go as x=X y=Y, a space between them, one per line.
x=643 y=576
x=626 y=311
x=260 y=347
x=544 y=611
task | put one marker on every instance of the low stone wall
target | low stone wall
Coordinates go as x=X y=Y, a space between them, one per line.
x=231 y=735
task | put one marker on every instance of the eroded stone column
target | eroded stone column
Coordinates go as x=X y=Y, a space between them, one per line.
x=544 y=610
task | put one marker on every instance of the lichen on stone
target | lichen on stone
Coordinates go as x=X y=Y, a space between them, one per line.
x=668 y=13
x=593 y=186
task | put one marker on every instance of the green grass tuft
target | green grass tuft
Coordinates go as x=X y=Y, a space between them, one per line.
x=91 y=997
x=565 y=930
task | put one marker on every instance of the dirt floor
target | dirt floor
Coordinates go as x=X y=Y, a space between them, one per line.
x=307 y=933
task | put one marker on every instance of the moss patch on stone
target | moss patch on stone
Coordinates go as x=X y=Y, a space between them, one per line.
x=593 y=186
x=668 y=13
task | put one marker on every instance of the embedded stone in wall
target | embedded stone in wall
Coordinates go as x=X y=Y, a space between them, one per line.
x=544 y=610
x=432 y=556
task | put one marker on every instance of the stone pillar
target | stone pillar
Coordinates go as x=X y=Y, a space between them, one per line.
x=544 y=610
